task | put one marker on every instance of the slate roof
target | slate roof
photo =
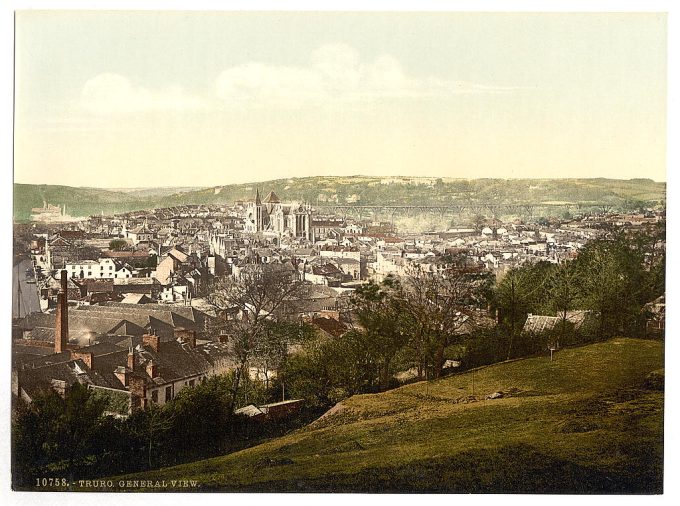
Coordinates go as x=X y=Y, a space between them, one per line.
x=537 y=324
x=174 y=361
x=250 y=410
x=178 y=255
x=272 y=198
x=96 y=285
x=135 y=298
x=330 y=326
x=32 y=380
x=85 y=322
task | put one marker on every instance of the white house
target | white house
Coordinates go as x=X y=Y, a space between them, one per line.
x=104 y=268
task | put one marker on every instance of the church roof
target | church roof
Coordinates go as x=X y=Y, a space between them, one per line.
x=272 y=198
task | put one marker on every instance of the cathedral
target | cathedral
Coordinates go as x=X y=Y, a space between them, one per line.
x=271 y=215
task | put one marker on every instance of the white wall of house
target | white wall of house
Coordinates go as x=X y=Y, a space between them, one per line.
x=221 y=367
x=176 y=293
x=105 y=268
x=354 y=255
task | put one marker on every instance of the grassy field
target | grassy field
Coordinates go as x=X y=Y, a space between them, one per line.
x=585 y=423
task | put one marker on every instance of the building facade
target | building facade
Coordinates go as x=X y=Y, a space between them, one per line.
x=271 y=215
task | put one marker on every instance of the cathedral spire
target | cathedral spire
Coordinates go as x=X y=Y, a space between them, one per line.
x=257 y=197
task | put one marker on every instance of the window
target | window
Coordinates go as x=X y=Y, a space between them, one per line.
x=168 y=393
x=191 y=383
x=154 y=396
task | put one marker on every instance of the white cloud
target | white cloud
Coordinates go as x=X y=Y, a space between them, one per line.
x=110 y=93
x=335 y=73
x=270 y=84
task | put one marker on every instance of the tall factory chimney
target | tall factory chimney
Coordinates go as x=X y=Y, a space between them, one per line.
x=61 y=323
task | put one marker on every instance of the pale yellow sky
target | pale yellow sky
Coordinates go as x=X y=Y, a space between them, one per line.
x=199 y=99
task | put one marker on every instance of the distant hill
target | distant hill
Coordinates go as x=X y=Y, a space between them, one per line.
x=155 y=192
x=583 y=423
x=350 y=190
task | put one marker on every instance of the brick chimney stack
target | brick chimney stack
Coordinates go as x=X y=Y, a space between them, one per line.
x=61 y=323
x=186 y=336
x=131 y=357
x=151 y=369
x=86 y=356
x=151 y=340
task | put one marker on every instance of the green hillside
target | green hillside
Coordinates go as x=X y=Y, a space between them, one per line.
x=78 y=201
x=587 y=422
x=352 y=190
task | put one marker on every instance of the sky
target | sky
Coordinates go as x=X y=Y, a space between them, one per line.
x=142 y=99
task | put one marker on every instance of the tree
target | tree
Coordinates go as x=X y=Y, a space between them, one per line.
x=150 y=426
x=521 y=291
x=380 y=317
x=198 y=419
x=435 y=307
x=56 y=432
x=250 y=306
x=478 y=222
x=117 y=244
x=81 y=251
x=616 y=279
x=563 y=291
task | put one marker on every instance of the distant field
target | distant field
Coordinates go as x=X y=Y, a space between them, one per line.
x=584 y=423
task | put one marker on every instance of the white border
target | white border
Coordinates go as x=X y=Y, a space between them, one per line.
x=7 y=8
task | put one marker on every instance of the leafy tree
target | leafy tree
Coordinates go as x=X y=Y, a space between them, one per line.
x=478 y=222
x=118 y=244
x=616 y=279
x=307 y=373
x=81 y=251
x=55 y=432
x=273 y=347
x=380 y=317
x=155 y=423
x=563 y=292
x=521 y=291
x=199 y=417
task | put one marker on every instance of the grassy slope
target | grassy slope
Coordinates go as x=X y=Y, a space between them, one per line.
x=582 y=423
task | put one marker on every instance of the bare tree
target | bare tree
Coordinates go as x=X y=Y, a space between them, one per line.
x=248 y=306
x=438 y=305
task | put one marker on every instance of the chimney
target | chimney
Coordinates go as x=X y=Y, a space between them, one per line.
x=152 y=341
x=137 y=387
x=151 y=369
x=186 y=336
x=61 y=322
x=131 y=358
x=59 y=386
x=122 y=374
x=85 y=356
